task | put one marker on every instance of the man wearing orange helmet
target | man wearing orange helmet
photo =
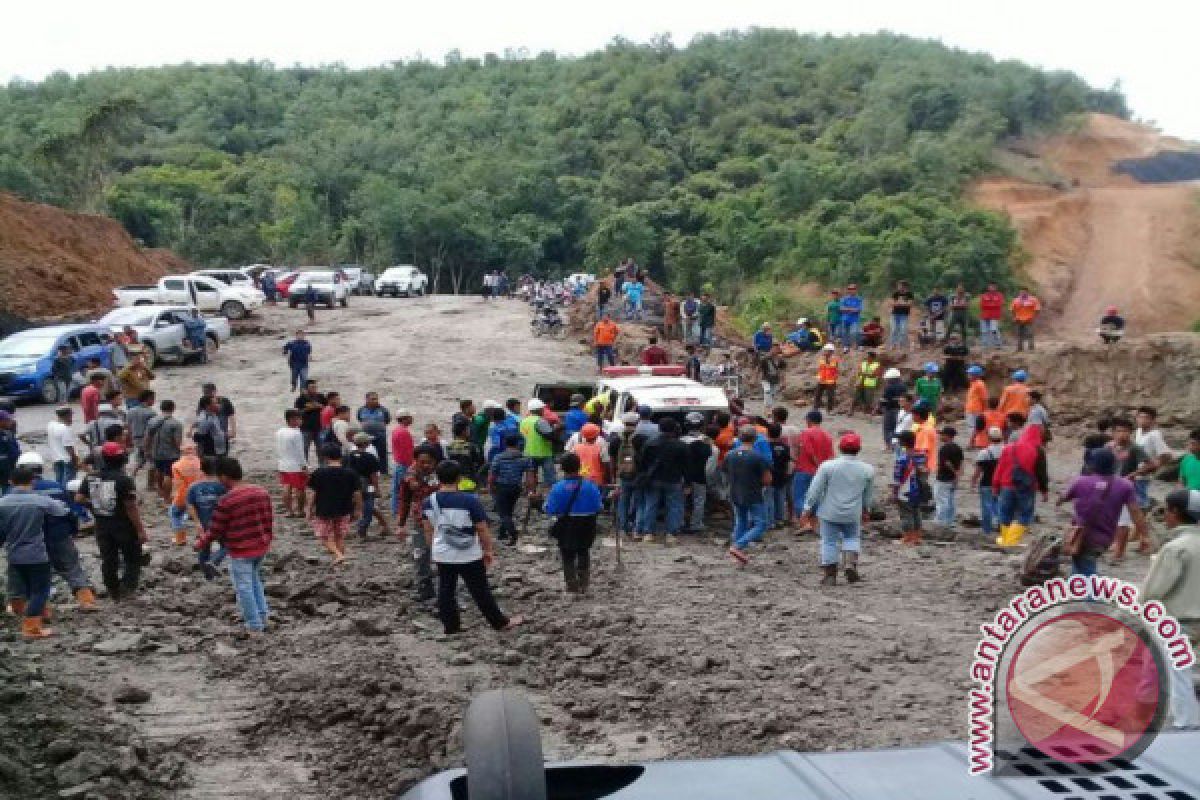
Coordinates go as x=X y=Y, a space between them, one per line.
x=592 y=450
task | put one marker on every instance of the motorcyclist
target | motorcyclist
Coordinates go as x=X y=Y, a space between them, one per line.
x=1112 y=326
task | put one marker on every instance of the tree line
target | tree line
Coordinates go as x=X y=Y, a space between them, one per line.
x=740 y=160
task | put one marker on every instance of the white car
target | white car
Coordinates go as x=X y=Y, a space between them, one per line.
x=331 y=289
x=584 y=279
x=229 y=277
x=161 y=331
x=406 y=281
x=206 y=294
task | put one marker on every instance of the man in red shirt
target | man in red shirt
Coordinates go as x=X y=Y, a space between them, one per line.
x=332 y=401
x=402 y=454
x=653 y=355
x=90 y=397
x=991 y=309
x=244 y=523
x=810 y=448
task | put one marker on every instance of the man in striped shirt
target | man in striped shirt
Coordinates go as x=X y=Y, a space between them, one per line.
x=244 y=522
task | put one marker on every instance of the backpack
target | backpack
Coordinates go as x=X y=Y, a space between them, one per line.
x=627 y=458
x=456 y=537
x=1042 y=559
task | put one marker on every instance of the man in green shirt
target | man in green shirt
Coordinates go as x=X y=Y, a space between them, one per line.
x=929 y=387
x=1189 y=467
x=539 y=444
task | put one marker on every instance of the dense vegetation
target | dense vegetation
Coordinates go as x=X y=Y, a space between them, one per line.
x=743 y=157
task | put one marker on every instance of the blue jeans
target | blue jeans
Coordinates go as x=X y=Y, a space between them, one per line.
x=368 y=511
x=31 y=582
x=850 y=332
x=399 y=471
x=1015 y=505
x=943 y=498
x=628 y=502
x=989 y=332
x=546 y=465
x=899 y=335
x=178 y=517
x=605 y=355
x=1083 y=564
x=699 y=499
x=247 y=584
x=800 y=484
x=775 y=499
x=1142 y=487
x=299 y=376
x=706 y=336
x=835 y=331
x=987 y=510
x=749 y=523
x=837 y=537
x=669 y=495
x=63 y=471
x=64 y=559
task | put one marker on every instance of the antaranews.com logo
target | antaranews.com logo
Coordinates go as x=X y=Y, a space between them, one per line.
x=1078 y=669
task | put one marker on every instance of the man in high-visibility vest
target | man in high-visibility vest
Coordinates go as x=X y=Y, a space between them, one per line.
x=866 y=384
x=976 y=403
x=828 y=367
x=1015 y=397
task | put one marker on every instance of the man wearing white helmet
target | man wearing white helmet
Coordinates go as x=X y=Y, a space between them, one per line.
x=828 y=368
x=893 y=391
x=624 y=448
x=60 y=533
x=539 y=442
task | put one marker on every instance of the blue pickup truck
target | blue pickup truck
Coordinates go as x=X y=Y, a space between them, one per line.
x=26 y=357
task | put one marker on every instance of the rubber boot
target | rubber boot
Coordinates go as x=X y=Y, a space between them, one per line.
x=181 y=538
x=32 y=628
x=829 y=577
x=16 y=606
x=571 y=575
x=850 y=567
x=86 y=599
x=1016 y=532
x=1002 y=539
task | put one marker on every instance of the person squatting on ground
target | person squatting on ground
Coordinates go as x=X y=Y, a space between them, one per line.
x=23 y=517
x=840 y=499
x=120 y=533
x=576 y=502
x=455 y=531
x=243 y=524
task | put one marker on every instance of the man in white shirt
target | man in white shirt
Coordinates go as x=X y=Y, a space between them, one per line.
x=61 y=443
x=293 y=463
x=1158 y=454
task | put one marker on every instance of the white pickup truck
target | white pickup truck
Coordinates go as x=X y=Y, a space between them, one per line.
x=663 y=389
x=207 y=294
x=160 y=330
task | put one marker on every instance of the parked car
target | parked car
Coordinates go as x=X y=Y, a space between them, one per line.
x=405 y=281
x=161 y=333
x=331 y=289
x=229 y=277
x=207 y=294
x=584 y=279
x=358 y=280
x=283 y=281
x=25 y=359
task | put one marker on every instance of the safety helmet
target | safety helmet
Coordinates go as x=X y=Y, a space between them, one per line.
x=536 y=405
x=891 y=374
x=590 y=431
x=694 y=419
x=1020 y=376
x=31 y=460
x=930 y=366
x=829 y=348
x=1111 y=311
x=975 y=370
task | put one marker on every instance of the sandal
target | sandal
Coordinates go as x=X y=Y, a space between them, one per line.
x=738 y=556
x=514 y=622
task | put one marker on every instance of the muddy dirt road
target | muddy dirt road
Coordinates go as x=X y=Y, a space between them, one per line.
x=356 y=692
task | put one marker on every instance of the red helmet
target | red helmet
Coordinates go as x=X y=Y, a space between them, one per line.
x=590 y=431
x=1111 y=311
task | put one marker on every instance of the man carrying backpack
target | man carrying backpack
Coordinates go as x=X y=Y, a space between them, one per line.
x=576 y=501
x=624 y=448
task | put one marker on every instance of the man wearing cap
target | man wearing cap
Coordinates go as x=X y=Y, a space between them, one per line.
x=60 y=440
x=801 y=338
x=867 y=383
x=828 y=367
x=366 y=465
x=811 y=448
x=699 y=469
x=1015 y=397
x=402 y=455
x=624 y=452
x=60 y=532
x=893 y=390
x=120 y=532
x=840 y=498
x=985 y=468
x=851 y=308
x=135 y=378
x=98 y=430
x=10 y=450
x=976 y=403
x=539 y=445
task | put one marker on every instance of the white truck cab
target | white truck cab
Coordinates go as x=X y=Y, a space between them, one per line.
x=664 y=390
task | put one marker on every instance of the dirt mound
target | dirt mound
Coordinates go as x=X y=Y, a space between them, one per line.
x=1106 y=240
x=57 y=262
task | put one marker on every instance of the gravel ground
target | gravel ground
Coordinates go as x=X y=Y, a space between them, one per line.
x=356 y=691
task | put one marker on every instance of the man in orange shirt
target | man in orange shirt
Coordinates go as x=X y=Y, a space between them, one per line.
x=1025 y=309
x=1015 y=397
x=977 y=400
x=927 y=436
x=184 y=473
x=604 y=336
x=593 y=455
x=828 y=367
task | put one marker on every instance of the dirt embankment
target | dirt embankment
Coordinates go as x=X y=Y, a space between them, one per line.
x=58 y=262
x=1105 y=239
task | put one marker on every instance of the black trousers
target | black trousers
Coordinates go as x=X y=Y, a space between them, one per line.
x=825 y=390
x=120 y=560
x=474 y=575
x=506 y=498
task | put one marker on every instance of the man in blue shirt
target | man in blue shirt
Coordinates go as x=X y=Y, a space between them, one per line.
x=576 y=418
x=852 y=308
x=60 y=534
x=763 y=340
x=23 y=515
x=576 y=502
x=299 y=353
x=633 y=299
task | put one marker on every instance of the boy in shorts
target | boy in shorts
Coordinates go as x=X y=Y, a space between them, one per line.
x=336 y=499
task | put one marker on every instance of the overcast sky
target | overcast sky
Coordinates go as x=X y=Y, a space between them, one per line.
x=1150 y=46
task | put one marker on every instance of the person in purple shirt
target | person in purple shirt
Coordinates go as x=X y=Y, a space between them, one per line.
x=1098 y=498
